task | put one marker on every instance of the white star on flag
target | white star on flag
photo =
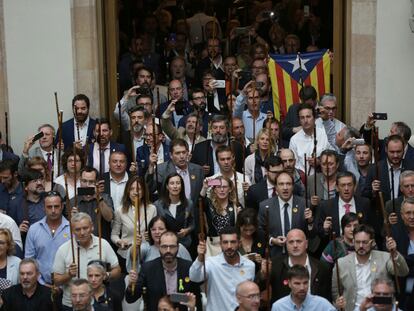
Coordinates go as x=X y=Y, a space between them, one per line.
x=296 y=62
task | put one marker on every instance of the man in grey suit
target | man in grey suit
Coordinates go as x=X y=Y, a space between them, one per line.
x=286 y=211
x=357 y=270
x=191 y=173
x=407 y=189
x=44 y=150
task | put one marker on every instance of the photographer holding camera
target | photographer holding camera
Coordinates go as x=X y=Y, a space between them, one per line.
x=381 y=297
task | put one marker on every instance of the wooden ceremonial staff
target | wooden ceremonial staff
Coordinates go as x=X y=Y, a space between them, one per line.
x=69 y=210
x=154 y=150
x=306 y=183
x=315 y=142
x=392 y=190
x=75 y=177
x=77 y=242
x=195 y=131
x=335 y=256
x=268 y=304
x=388 y=233
x=144 y=197
x=60 y=119
x=98 y=195
x=52 y=171
x=137 y=228
x=202 y=236
x=6 y=118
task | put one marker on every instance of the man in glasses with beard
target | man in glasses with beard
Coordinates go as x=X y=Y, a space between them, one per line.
x=205 y=152
x=80 y=128
x=165 y=275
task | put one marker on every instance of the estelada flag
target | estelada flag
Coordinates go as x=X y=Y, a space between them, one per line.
x=286 y=72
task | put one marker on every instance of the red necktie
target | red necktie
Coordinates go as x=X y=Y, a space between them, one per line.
x=347 y=207
x=49 y=161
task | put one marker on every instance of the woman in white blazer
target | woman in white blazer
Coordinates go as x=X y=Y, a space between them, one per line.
x=254 y=163
x=9 y=264
x=123 y=224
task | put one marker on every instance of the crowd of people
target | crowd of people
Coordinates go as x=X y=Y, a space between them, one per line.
x=205 y=201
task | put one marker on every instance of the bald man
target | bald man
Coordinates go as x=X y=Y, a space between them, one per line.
x=296 y=245
x=248 y=296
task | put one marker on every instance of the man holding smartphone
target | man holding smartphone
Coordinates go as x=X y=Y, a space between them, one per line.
x=382 y=296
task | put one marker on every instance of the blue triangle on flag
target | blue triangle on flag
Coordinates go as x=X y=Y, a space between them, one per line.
x=290 y=62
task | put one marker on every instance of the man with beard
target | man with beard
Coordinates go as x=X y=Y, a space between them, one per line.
x=239 y=131
x=165 y=275
x=144 y=83
x=81 y=295
x=29 y=294
x=205 y=152
x=299 y=297
x=44 y=150
x=266 y=188
x=10 y=187
x=47 y=235
x=252 y=117
x=100 y=151
x=363 y=158
x=198 y=105
x=223 y=271
x=80 y=128
x=189 y=133
x=357 y=270
x=30 y=209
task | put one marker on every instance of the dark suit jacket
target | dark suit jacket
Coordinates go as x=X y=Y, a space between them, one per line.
x=152 y=277
x=164 y=106
x=275 y=223
x=10 y=156
x=113 y=146
x=320 y=278
x=291 y=121
x=143 y=153
x=68 y=136
x=383 y=178
x=397 y=202
x=203 y=155
x=331 y=208
x=256 y=194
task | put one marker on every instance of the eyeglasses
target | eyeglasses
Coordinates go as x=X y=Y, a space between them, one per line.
x=165 y=247
x=251 y=297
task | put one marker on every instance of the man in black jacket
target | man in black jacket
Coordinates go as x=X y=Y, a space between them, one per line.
x=163 y=276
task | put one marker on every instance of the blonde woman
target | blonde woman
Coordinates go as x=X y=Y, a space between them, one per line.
x=254 y=163
x=123 y=224
x=220 y=210
x=9 y=264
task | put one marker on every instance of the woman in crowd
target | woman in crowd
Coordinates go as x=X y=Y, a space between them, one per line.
x=150 y=249
x=104 y=298
x=122 y=233
x=176 y=208
x=344 y=244
x=253 y=243
x=9 y=264
x=69 y=158
x=39 y=164
x=165 y=304
x=220 y=210
x=254 y=163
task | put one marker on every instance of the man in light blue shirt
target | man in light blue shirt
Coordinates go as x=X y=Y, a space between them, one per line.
x=223 y=272
x=252 y=117
x=299 y=298
x=47 y=235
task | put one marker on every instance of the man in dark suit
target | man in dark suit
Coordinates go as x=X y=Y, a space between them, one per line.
x=331 y=211
x=407 y=190
x=192 y=174
x=204 y=152
x=402 y=232
x=175 y=90
x=320 y=275
x=157 y=276
x=266 y=188
x=395 y=153
x=286 y=211
x=100 y=151
x=81 y=124
x=146 y=157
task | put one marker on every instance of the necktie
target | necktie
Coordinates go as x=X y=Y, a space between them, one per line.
x=347 y=207
x=49 y=161
x=102 y=160
x=286 y=218
x=274 y=193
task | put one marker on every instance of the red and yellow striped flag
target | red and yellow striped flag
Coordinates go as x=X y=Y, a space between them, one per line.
x=286 y=72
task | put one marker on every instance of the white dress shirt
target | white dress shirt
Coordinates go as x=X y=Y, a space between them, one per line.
x=363 y=275
x=117 y=190
x=97 y=159
x=397 y=173
x=55 y=160
x=301 y=143
x=83 y=131
x=186 y=178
